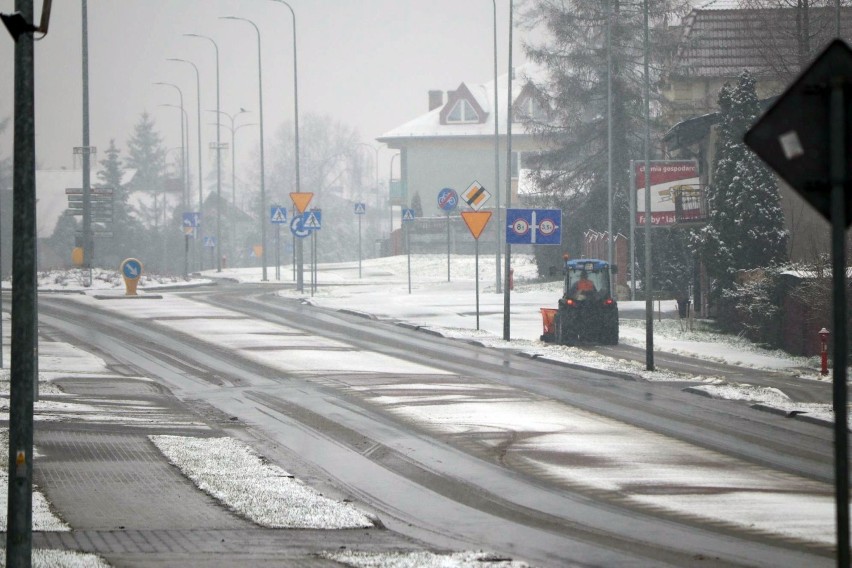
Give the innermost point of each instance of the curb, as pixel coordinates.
(143, 297)
(798, 415)
(356, 313)
(578, 367)
(698, 391)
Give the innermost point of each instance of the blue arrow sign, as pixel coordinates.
(297, 227)
(408, 215)
(278, 215)
(191, 219)
(534, 226)
(131, 268)
(360, 208)
(312, 220)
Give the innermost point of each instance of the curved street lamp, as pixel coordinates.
(184, 156)
(218, 161)
(200, 177)
(497, 288)
(262, 168)
(390, 200)
(375, 164)
(184, 163)
(232, 118)
(300, 282)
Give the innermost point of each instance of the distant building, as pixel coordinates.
(452, 144)
(717, 42)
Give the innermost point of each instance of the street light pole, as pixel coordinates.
(390, 202)
(200, 179)
(262, 168)
(300, 275)
(183, 162)
(507, 305)
(232, 118)
(499, 231)
(376, 165)
(218, 162)
(24, 365)
(184, 159)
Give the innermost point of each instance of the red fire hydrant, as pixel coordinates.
(823, 336)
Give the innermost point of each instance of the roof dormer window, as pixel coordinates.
(529, 108)
(462, 108)
(462, 112)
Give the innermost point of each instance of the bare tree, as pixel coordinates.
(788, 34)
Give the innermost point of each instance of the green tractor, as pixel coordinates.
(588, 310)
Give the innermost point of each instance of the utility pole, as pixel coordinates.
(88, 241)
(24, 309)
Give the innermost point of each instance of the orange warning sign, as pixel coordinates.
(301, 200)
(476, 221)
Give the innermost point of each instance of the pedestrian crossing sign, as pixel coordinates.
(408, 214)
(278, 214)
(360, 208)
(312, 220)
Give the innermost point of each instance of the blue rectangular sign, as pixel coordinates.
(312, 220)
(191, 219)
(534, 226)
(278, 215)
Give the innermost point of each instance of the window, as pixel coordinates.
(462, 112)
(529, 108)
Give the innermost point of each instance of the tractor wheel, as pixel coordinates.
(563, 331)
(610, 335)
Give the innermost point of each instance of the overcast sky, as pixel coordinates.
(368, 63)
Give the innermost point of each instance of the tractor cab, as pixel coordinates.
(586, 280)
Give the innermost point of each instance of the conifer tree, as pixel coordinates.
(573, 173)
(111, 175)
(746, 226)
(128, 235)
(417, 205)
(5, 162)
(147, 155)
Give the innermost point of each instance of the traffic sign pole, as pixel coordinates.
(448, 248)
(359, 247)
(278, 252)
(477, 282)
(838, 176)
(408, 251)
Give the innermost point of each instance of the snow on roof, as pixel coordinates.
(720, 5)
(429, 125)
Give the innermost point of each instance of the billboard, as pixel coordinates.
(675, 191)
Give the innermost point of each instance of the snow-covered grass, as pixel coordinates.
(48, 558)
(423, 560)
(235, 475)
(78, 280)
(674, 336)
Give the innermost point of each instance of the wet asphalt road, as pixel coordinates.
(442, 491)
